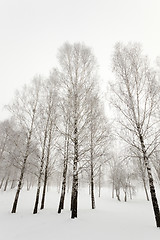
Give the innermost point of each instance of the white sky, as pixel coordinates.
(31, 31)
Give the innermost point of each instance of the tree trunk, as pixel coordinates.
(99, 182)
(130, 192)
(145, 189)
(6, 184)
(143, 175)
(24, 164)
(113, 189)
(41, 170)
(44, 191)
(125, 196)
(129, 188)
(68, 182)
(89, 188)
(118, 194)
(44, 187)
(28, 184)
(20, 182)
(74, 197)
(63, 190)
(2, 182)
(91, 167)
(151, 184)
(13, 184)
(92, 185)
(153, 196)
(46, 168)
(92, 193)
(37, 199)
(38, 187)
(61, 203)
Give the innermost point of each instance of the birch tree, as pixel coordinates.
(65, 160)
(99, 139)
(77, 75)
(50, 88)
(45, 122)
(24, 110)
(135, 97)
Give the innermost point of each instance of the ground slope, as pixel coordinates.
(111, 219)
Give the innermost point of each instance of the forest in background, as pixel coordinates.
(60, 134)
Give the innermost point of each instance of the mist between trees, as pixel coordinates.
(58, 133)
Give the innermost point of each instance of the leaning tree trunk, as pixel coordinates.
(40, 174)
(22, 172)
(19, 185)
(46, 169)
(143, 172)
(151, 183)
(118, 194)
(44, 186)
(13, 184)
(145, 189)
(6, 184)
(24, 164)
(63, 190)
(2, 182)
(153, 193)
(38, 187)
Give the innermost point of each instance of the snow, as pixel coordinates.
(112, 220)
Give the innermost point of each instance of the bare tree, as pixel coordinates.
(77, 75)
(45, 125)
(65, 167)
(99, 139)
(51, 108)
(141, 168)
(24, 110)
(135, 96)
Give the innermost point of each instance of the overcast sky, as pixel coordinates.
(31, 31)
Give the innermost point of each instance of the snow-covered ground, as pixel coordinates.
(111, 220)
